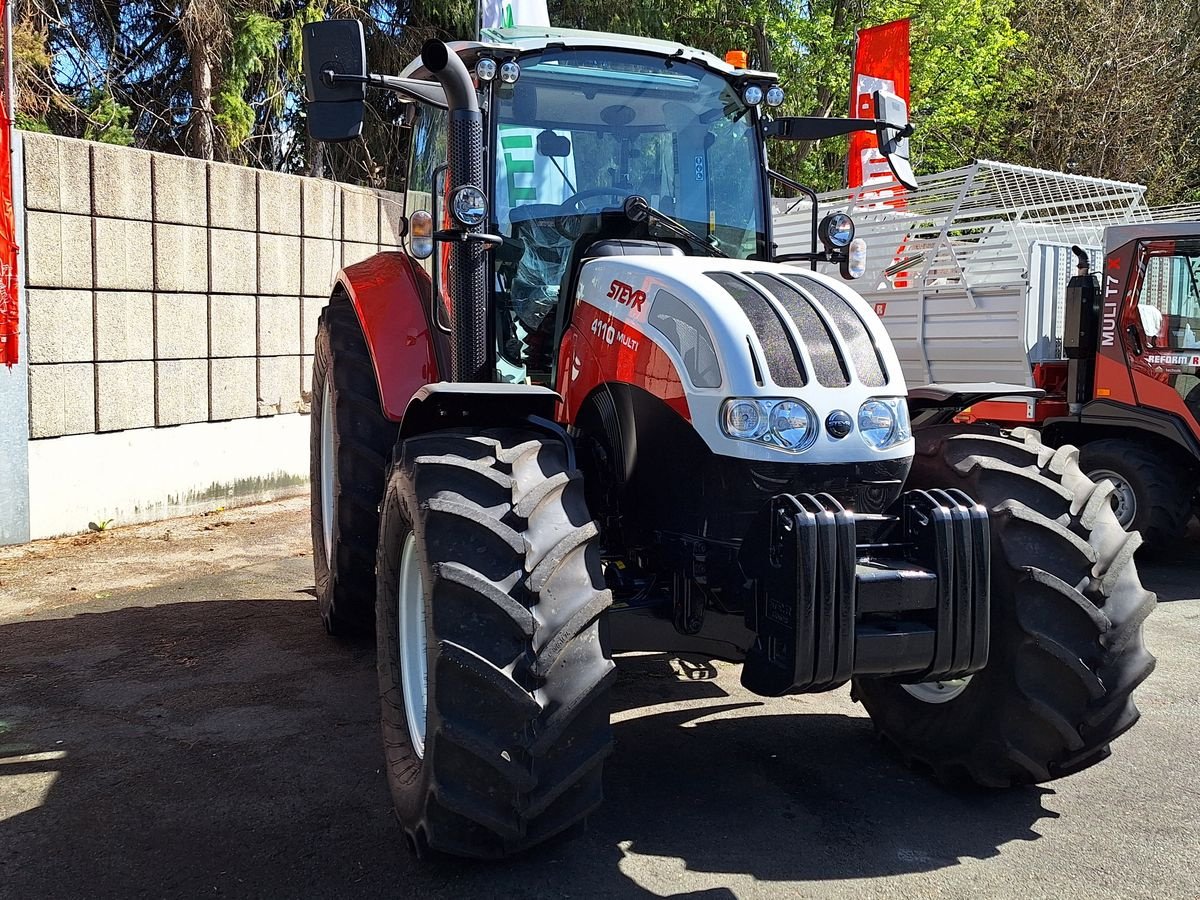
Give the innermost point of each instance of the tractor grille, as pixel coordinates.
(837, 340)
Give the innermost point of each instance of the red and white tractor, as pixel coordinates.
(589, 411)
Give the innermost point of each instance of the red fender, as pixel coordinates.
(390, 294)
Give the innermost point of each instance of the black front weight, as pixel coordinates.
(910, 600)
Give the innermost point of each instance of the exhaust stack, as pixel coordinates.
(468, 270)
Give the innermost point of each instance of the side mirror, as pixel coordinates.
(335, 109)
(892, 111)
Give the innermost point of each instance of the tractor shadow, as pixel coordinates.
(1174, 574)
(230, 748)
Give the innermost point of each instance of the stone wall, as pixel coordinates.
(170, 308)
(163, 290)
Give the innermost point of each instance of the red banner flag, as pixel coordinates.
(9, 326)
(880, 63)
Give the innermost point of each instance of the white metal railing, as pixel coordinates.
(970, 270)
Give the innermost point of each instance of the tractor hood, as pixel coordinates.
(762, 331)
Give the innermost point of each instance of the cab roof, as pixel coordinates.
(531, 38)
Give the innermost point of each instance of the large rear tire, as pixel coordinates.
(1151, 494)
(1067, 613)
(350, 440)
(492, 676)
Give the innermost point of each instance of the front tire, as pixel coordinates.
(350, 439)
(486, 546)
(1067, 613)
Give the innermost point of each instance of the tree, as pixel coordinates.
(1113, 92)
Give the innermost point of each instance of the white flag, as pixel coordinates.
(507, 13)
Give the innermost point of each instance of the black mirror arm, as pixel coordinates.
(422, 91)
(817, 128)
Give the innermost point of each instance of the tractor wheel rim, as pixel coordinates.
(1124, 500)
(327, 453)
(414, 664)
(938, 691)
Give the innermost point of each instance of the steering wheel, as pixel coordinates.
(572, 203)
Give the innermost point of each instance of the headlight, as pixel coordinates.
(468, 205)
(793, 425)
(510, 72)
(777, 422)
(485, 69)
(774, 95)
(883, 422)
(753, 95)
(836, 230)
(743, 419)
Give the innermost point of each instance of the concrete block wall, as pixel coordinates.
(169, 300)
(164, 290)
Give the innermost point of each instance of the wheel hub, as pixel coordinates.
(414, 663)
(938, 691)
(327, 469)
(1124, 500)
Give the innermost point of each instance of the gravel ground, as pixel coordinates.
(173, 722)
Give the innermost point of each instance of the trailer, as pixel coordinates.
(972, 277)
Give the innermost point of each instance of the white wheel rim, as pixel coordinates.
(1124, 500)
(327, 469)
(414, 666)
(938, 691)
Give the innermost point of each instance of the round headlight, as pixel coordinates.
(793, 425)
(468, 205)
(420, 234)
(836, 230)
(742, 419)
(774, 95)
(876, 423)
(753, 95)
(485, 69)
(510, 72)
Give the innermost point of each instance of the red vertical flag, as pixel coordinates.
(9, 327)
(880, 63)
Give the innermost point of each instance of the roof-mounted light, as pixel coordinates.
(510, 72)
(485, 69)
(775, 95)
(752, 94)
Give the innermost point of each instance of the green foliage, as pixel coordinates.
(1056, 83)
(108, 120)
(26, 122)
(254, 48)
(966, 65)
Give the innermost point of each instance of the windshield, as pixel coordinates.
(581, 130)
(1169, 294)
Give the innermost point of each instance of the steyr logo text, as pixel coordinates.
(625, 295)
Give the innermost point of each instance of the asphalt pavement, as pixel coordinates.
(200, 735)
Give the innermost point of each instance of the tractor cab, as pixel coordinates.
(575, 125)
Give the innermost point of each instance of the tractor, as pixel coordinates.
(590, 410)
(975, 271)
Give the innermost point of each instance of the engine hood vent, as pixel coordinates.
(802, 324)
